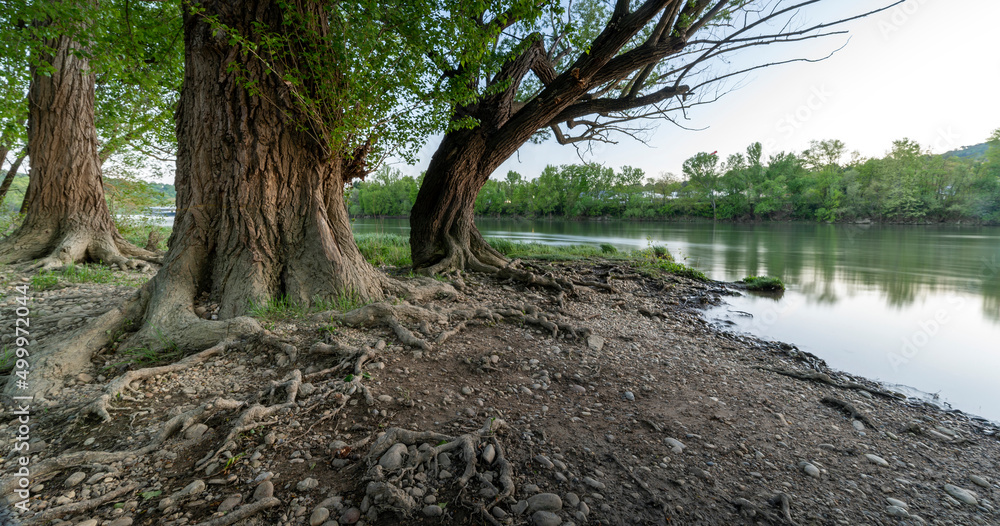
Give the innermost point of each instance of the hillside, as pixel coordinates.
(975, 151)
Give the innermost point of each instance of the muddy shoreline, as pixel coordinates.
(611, 401)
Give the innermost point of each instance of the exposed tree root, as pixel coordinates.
(253, 415)
(824, 378)
(49, 251)
(785, 502)
(385, 488)
(243, 512)
(72, 354)
(529, 278)
(476, 255)
(531, 315)
(117, 388)
(847, 408)
(79, 458)
(78, 507)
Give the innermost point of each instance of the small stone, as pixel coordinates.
(307, 389)
(121, 521)
(630, 396)
(520, 507)
(489, 453)
(897, 511)
(319, 516)
(467, 391)
(877, 460)
(596, 484)
(572, 499)
(193, 488)
(89, 522)
(960, 494)
(75, 479)
(810, 469)
(265, 490)
(433, 510)
(393, 458)
(85, 378)
(858, 425)
(499, 513)
(90, 441)
(230, 503)
(195, 431)
(896, 502)
(675, 445)
(544, 461)
(578, 389)
(307, 484)
(385, 398)
(979, 481)
(544, 502)
(350, 516)
(595, 342)
(545, 518)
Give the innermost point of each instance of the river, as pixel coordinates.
(916, 307)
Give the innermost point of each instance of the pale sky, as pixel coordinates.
(927, 70)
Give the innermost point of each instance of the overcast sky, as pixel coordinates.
(927, 70)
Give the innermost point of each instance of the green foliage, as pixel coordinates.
(384, 249)
(764, 283)
(906, 185)
(608, 248)
(44, 281)
(283, 308)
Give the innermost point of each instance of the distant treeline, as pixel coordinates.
(820, 184)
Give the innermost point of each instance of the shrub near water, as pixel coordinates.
(764, 283)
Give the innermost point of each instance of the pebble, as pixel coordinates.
(578, 389)
(544, 461)
(121, 521)
(897, 511)
(877, 460)
(393, 458)
(319, 516)
(572, 499)
(433, 510)
(489, 453)
(595, 342)
(350, 516)
(960, 494)
(385, 398)
(90, 522)
(630, 396)
(193, 488)
(307, 484)
(195, 431)
(675, 445)
(545, 518)
(520, 507)
(810, 469)
(544, 502)
(75, 479)
(858, 425)
(307, 389)
(896, 502)
(979, 481)
(265, 490)
(231, 502)
(596, 484)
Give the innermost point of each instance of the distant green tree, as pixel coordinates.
(702, 173)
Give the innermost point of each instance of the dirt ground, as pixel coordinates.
(598, 395)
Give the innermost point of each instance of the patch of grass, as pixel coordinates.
(515, 249)
(44, 281)
(764, 283)
(7, 359)
(279, 309)
(608, 248)
(137, 233)
(385, 249)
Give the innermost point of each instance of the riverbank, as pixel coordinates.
(608, 401)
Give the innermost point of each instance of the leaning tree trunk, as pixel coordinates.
(67, 217)
(443, 233)
(11, 173)
(260, 208)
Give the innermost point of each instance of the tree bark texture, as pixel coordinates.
(67, 216)
(11, 173)
(260, 210)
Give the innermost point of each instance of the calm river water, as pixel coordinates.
(917, 307)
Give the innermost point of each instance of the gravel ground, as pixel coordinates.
(633, 410)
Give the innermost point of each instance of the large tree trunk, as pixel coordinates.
(68, 219)
(260, 209)
(11, 173)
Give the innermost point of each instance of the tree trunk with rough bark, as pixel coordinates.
(11, 173)
(260, 209)
(67, 216)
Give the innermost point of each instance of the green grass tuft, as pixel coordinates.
(384, 249)
(764, 283)
(280, 309)
(608, 248)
